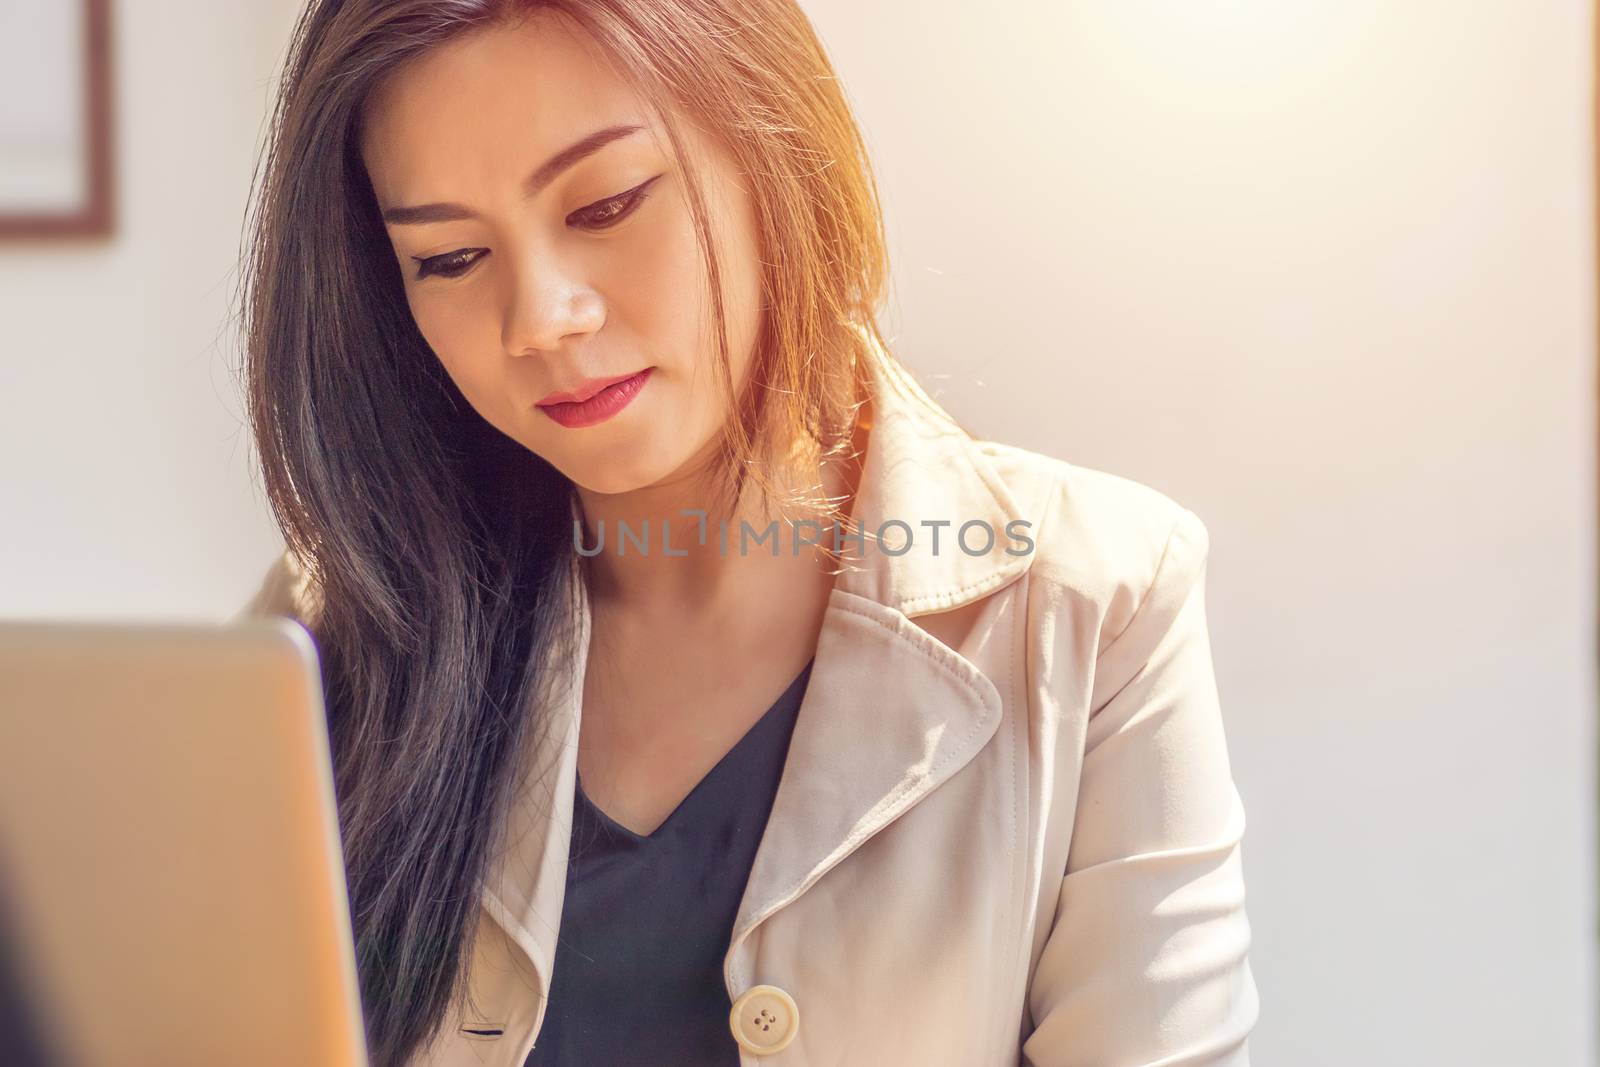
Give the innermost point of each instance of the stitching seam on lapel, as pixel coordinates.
(1020, 854)
(888, 803)
(938, 600)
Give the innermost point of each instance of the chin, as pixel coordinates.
(611, 483)
(641, 456)
(622, 476)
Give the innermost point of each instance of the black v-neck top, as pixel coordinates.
(647, 919)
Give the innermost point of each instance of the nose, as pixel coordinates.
(550, 309)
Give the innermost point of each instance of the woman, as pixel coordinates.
(700, 691)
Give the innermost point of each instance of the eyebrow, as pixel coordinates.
(552, 168)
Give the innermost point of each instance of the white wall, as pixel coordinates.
(1320, 270)
(126, 471)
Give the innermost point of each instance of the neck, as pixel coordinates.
(689, 563)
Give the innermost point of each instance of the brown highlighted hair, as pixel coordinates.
(439, 549)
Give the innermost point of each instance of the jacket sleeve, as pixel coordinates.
(286, 589)
(1146, 963)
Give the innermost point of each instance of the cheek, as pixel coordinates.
(737, 233)
(655, 288)
(463, 334)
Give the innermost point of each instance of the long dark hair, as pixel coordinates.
(440, 549)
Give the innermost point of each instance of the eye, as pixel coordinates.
(601, 215)
(449, 264)
(607, 213)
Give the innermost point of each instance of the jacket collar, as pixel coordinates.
(889, 713)
(921, 465)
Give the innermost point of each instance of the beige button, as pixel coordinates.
(764, 1020)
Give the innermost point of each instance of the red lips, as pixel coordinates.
(595, 400)
(585, 390)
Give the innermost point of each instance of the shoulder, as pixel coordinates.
(1099, 533)
(286, 588)
(1120, 556)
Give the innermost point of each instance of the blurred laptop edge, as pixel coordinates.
(171, 879)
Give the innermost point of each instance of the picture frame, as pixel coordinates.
(56, 173)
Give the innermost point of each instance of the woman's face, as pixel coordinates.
(543, 231)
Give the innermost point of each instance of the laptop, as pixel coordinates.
(172, 885)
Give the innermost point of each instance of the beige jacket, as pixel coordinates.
(1007, 832)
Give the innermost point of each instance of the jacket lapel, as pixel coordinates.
(888, 715)
(527, 885)
(890, 712)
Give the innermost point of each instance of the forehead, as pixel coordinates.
(510, 95)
